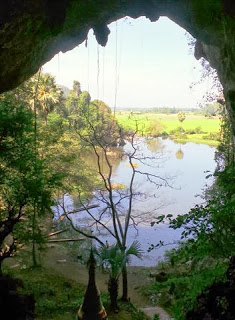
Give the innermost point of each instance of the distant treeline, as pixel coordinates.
(165, 110)
(210, 109)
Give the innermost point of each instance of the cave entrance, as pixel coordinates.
(144, 64)
(31, 36)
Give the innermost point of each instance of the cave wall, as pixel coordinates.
(33, 31)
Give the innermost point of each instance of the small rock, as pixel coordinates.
(15, 266)
(61, 261)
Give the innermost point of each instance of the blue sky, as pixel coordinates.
(144, 64)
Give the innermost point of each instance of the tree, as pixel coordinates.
(26, 185)
(208, 229)
(72, 101)
(77, 88)
(211, 109)
(46, 94)
(77, 103)
(112, 260)
(181, 116)
(32, 153)
(116, 200)
(225, 154)
(155, 128)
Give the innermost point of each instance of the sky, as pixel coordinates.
(144, 65)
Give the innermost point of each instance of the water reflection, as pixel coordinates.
(161, 159)
(179, 154)
(115, 155)
(155, 145)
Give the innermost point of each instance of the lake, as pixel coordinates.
(184, 166)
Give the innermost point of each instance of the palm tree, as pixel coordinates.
(113, 260)
(181, 116)
(48, 94)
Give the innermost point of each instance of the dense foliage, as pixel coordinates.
(207, 239)
(26, 182)
(42, 155)
(45, 136)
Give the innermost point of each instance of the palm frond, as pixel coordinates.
(135, 250)
(112, 258)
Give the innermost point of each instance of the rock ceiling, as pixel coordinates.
(33, 31)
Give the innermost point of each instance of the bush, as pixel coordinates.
(164, 135)
(212, 136)
(179, 293)
(178, 130)
(54, 295)
(155, 128)
(196, 130)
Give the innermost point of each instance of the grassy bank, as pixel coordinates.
(56, 297)
(58, 288)
(196, 128)
(176, 291)
(196, 138)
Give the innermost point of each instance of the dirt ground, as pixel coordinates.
(57, 259)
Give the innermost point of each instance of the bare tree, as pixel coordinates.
(116, 213)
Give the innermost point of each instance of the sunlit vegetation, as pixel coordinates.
(54, 145)
(45, 140)
(177, 293)
(196, 127)
(207, 243)
(58, 297)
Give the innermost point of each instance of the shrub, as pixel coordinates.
(155, 128)
(178, 130)
(212, 136)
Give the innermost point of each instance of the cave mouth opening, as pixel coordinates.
(144, 64)
(32, 35)
(147, 62)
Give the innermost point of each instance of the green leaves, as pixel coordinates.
(26, 182)
(135, 250)
(113, 259)
(181, 116)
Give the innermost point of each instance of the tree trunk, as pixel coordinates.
(113, 293)
(124, 284)
(34, 255)
(1, 266)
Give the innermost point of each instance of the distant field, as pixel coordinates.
(170, 122)
(197, 128)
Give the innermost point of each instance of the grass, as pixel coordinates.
(178, 293)
(197, 138)
(58, 297)
(168, 123)
(127, 312)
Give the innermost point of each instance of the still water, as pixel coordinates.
(183, 166)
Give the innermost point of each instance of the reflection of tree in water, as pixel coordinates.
(114, 154)
(179, 154)
(154, 145)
